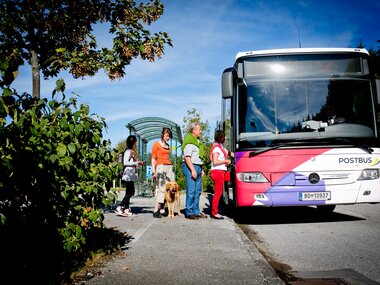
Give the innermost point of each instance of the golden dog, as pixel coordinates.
(171, 197)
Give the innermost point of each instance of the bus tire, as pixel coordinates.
(228, 208)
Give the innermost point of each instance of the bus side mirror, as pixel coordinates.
(227, 83)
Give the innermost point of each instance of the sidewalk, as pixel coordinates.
(180, 251)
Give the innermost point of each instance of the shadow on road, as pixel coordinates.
(288, 215)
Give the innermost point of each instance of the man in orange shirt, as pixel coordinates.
(162, 169)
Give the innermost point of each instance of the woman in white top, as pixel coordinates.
(130, 162)
(219, 162)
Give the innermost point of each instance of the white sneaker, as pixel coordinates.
(128, 213)
(119, 211)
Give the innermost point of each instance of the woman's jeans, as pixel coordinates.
(193, 189)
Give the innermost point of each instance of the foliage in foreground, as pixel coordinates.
(55, 173)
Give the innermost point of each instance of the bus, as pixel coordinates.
(304, 127)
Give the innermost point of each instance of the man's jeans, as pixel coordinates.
(193, 189)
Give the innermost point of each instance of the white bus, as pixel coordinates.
(303, 124)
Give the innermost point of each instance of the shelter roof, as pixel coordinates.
(150, 128)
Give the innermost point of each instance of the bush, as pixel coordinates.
(55, 177)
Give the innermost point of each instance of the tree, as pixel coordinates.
(58, 35)
(121, 146)
(194, 115)
(56, 170)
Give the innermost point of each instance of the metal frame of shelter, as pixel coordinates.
(150, 128)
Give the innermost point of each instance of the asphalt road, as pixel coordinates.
(344, 245)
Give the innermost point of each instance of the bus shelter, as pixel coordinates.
(149, 128)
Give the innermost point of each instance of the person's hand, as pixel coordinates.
(141, 163)
(194, 174)
(228, 162)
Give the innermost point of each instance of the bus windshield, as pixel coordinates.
(277, 110)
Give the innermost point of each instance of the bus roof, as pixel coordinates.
(298, 51)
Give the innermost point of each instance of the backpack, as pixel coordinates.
(120, 159)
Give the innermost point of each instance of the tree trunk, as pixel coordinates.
(35, 74)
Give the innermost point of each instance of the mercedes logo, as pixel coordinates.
(314, 178)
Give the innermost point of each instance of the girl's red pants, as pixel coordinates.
(218, 177)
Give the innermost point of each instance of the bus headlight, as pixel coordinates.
(252, 177)
(369, 174)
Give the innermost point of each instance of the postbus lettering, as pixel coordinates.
(353, 160)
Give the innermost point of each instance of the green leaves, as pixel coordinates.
(61, 150)
(55, 167)
(7, 92)
(71, 148)
(39, 29)
(73, 237)
(55, 164)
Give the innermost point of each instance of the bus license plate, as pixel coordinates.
(311, 196)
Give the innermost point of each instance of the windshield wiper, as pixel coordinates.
(279, 145)
(365, 148)
(254, 153)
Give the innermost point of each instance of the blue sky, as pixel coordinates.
(206, 36)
